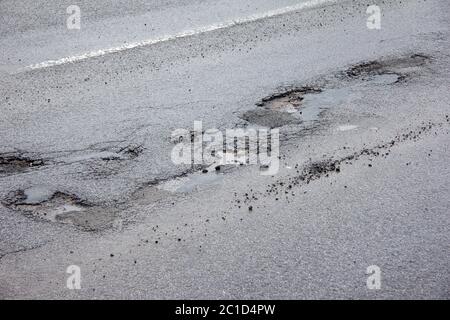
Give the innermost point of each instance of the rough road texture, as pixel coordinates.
(364, 177)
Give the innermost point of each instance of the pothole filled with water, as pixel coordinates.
(46, 203)
(280, 109)
(304, 105)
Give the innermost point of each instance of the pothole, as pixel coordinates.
(288, 101)
(14, 163)
(314, 105)
(280, 109)
(385, 79)
(305, 104)
(269, 118)
(391, 69)
(46, 203)
(300, 106)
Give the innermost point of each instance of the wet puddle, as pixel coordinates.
(305, 109)
(314, 104)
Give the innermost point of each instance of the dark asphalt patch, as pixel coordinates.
(15, 163)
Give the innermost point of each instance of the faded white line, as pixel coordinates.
(183, 34)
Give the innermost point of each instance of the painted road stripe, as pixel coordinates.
(183, 34)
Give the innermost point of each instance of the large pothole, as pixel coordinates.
(393, 67)
(305, 105)
(52, 205)
(280, 109)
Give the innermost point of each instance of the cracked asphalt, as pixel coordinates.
(86, 176)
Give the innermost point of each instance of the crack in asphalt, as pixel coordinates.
(4, 254)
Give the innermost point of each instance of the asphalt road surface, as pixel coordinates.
(87, 122)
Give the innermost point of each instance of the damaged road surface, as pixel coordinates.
(11, 163)
(87, 176)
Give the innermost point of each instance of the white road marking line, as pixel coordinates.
(183, 34)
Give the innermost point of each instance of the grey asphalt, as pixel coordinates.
(99, 132)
